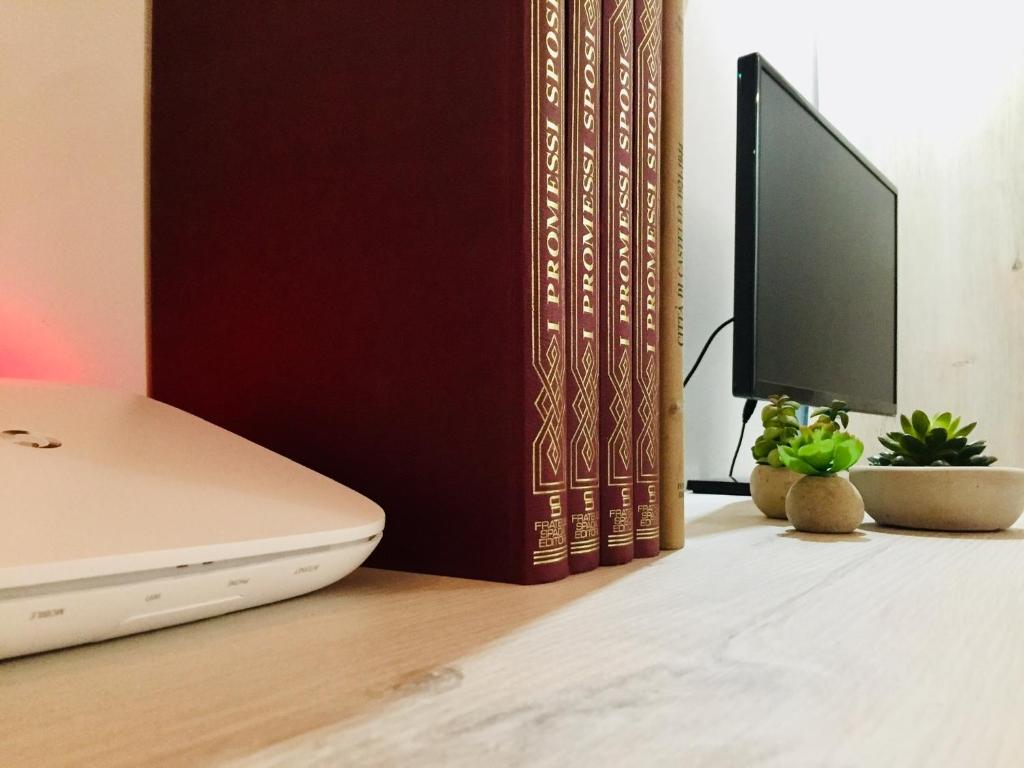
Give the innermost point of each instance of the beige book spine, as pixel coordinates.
(671, 299)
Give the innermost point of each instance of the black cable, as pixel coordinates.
(748, 411)
(748, 407)
(704, 350)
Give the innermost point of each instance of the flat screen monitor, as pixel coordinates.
(815, 284)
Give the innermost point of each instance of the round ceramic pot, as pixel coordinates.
(942, 498)
(768, 488)
(824, 505)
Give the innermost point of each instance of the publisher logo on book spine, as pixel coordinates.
(28, 439)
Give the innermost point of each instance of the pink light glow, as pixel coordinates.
(32, 346)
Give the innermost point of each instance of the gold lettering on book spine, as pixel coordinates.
(583, 226)
(645, 460)
(547, 314)
(617, 303)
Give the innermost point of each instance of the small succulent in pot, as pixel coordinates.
(833, 417)
(780, 426)
(939, 441)
(770, 481)
(821, 452)
(821, 501)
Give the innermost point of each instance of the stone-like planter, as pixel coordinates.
(942, 498)
(824, 505)
(768, 488)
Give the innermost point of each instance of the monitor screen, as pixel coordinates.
(815, 301)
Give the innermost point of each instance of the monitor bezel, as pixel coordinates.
(746, 382)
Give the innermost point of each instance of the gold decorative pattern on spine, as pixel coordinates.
(584, 442)
(648, 205)
(647, 436)
(546, 267)
(546, 184)
(550, 405)
(620, 408)
(547, 556)
(617, 209)
(582, 229)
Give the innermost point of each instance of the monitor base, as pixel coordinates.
(725, 486)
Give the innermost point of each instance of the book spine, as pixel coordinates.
(615, 271)
(671, 258)
(646, 218)
(546, 545)
(583, 32)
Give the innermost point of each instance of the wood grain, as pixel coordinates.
(755, 645)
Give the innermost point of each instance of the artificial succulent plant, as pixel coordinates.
(936, 442)
(780, 426)
(833, 417)
(821, 452)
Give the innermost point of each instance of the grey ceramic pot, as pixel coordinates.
(942, 498)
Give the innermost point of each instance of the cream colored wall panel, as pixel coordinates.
(937, 101)
(72, 191)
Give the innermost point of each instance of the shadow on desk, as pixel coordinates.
(228, 686)
(1010, 534)
(744, 514)
(856, 537)
(739, 514)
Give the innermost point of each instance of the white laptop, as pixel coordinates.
(120, 514)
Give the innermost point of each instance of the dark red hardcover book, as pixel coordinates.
(646, 278)
(616, 380)
(583, 162)
(357, 214)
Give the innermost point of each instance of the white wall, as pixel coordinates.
(717, 33)
(938, 103)
(935, 98)
(72, 191)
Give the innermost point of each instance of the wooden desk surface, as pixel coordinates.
(754, 645)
